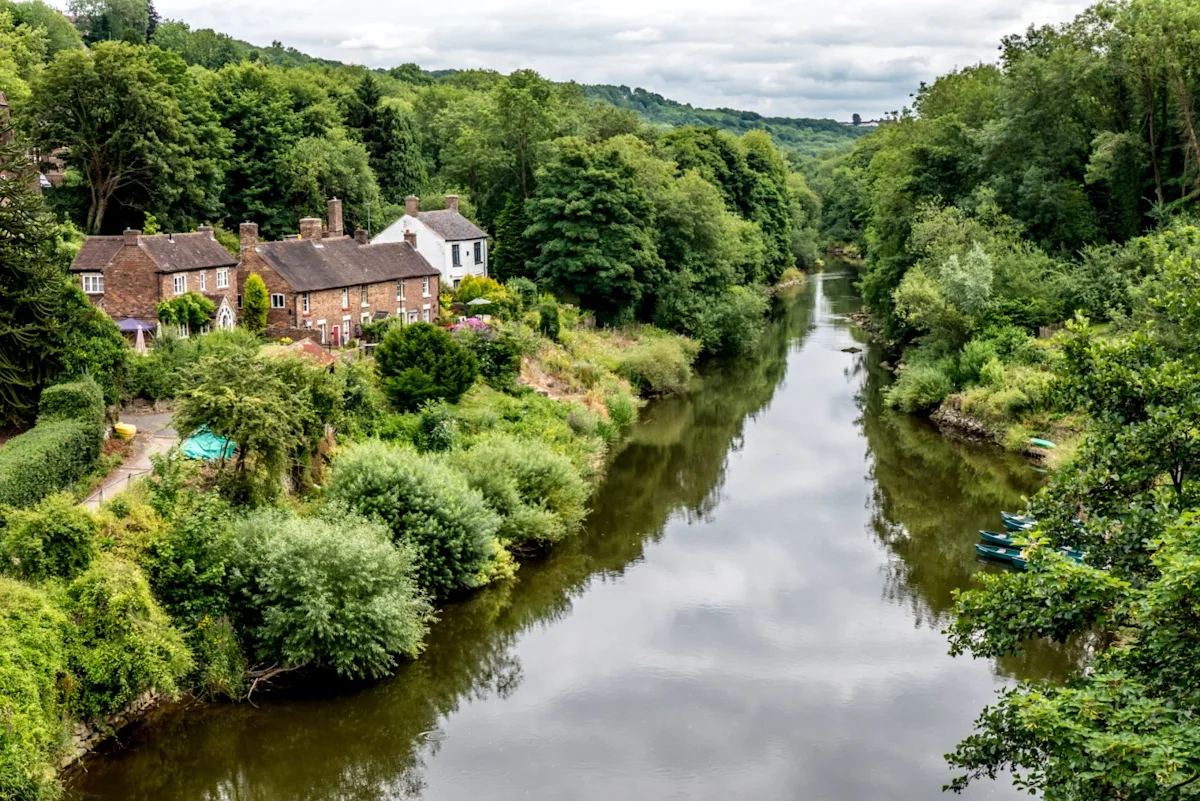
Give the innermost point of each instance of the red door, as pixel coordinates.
(336, 340)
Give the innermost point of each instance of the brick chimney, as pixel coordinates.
(360, 236)
(412, 205)
(205, 229)
(310, 228)
(335, 217)
(411, 238)
(248, 234)
(131, 236)
(451, 202)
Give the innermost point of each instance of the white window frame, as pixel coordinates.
(414, 316)
(305, 304)
(363, 296)
(203, 281)
(364, 318)
(345, 297)
(400, 289)
(425, 313)
(425, 287)
(324, 330)
(179, 283)
(282, 304)
(455, 255)
(222, 279)
(93, 283)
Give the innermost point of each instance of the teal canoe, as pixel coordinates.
(1043, 443)
(1012, 556)
(1007, 540)
(1014, 522)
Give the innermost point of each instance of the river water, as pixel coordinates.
(754, 611)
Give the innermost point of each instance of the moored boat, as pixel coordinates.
(1006, 539)
(1012, 556)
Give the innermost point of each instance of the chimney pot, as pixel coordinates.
(310, 228)
(131, 236)
(452, 202)
(360, 236)
(336, 227)
(411, 238)
(205, 229)
(248, 234)
(412, 205)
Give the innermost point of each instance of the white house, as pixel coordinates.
(449, 241)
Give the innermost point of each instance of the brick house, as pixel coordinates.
(448, 240)
(128, 275)
(332, 283)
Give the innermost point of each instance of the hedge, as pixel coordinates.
(74, 400)
(47, 458)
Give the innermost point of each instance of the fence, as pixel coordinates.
(107, 491)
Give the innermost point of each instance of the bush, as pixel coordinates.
(548, 323)
(32, 658)
(974, 357)
(92, 346)
(497, 352)
(435, 428)
(539, 493)
(55, 539)
(920, 387)
(658, 365)
(124, 643)
(46, 459)
(75, 400)
(621, 409)
(255, 303)
(334, 593)
(187, 560)
(425, 503)
(421, 362)
(524, 292)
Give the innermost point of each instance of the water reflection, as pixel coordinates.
(753, 611)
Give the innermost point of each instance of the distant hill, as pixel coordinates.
(802, 136)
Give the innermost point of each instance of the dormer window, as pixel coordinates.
(93, 283)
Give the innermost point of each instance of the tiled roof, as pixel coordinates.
(97, 251)
(450, 225)
(309, 266)
(171, 253)
(181, 252)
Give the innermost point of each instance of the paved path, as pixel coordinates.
(154, 435)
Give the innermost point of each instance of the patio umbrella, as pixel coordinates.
(139, 346)
(479, 302)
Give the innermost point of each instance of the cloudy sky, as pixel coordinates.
(820, 58)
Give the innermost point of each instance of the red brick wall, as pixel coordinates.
(130, 286)
(251, 262)
(327, 305)
(167, 285)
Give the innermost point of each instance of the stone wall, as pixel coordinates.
(86, 736)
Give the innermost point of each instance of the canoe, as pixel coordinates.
(1012, 556)
(1042, 443)
(1014, 522)
(1006, 540)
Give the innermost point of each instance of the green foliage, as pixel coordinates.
(91, 345)
(497, 352)
(622, 410)
(659, 365)
(921, 386)
(190, 310)
(75, 400)
(511, 256)
(524, 291)
(255, 304)
(328, 592)
(123, 643)
(421, 362)
(435, 428)
(32, 658)
(45, 459)
(539, 494)
(54, 539)
(548, 319)
(164, 371)
(426, 505)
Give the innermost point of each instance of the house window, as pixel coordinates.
(457, 281)
(180, 283)
(425, 314)
(363, 294)
(93, 283)
(412, 316)
(400, 290)
(239, 301)
(425, 285)
(203, 282)
(364, 318)
(277, 301)
(345, 297)
(479, 253)
(455, 255)
(304, 303)
(222, 279)
(321, 328)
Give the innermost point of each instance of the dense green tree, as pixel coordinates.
(592, 226)
(421, 362)
(60, 33)
(255, 303)
(390, 139)
(511, 254)
(113, 20)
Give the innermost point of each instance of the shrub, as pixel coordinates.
(90, 345)
(621, 409)
(524, 292)
(187, 560)
(32, 658)
(920, 387)
(734, 321)
(548, 324)
(55, 538)
(45, 459)
(75, 400)
(421, 362)
(124, 643)
(330, 592)
(425, 503)
(540, 494)
(255, 303)
(435, 428)
(497, 353)
(975, 355)
(220, 664)
(658, 365)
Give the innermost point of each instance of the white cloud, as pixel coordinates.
(818, 58)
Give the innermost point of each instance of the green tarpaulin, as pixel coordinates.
(207, 446)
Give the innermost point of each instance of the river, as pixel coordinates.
(754, 611)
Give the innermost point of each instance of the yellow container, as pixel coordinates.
(125, 430)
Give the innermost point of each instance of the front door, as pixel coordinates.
(335, 338)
